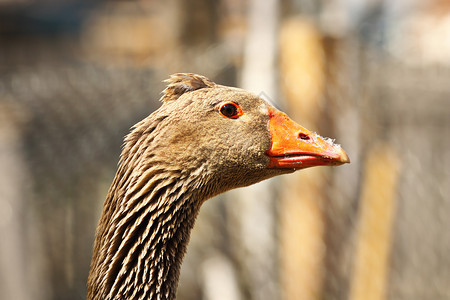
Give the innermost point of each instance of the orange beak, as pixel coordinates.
(295, 147)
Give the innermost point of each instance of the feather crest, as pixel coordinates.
(181, 83)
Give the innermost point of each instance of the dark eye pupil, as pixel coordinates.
(229, 110)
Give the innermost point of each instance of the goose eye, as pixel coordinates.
(231, 110)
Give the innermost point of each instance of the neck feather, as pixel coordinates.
(144, 229)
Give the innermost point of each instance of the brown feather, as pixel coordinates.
(181, 83)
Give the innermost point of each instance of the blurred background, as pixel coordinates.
(76, 75)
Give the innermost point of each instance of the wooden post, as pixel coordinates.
(14, 267)
(302, 64)
(373, 242)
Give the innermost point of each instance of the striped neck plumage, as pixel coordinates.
(144, 231)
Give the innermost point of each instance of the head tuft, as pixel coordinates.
(181, 83)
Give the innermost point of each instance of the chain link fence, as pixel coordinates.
(374, 229)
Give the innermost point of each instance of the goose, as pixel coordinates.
(205, 139)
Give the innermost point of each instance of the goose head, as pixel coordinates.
(232, 136)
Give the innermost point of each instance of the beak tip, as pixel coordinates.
(343, 157)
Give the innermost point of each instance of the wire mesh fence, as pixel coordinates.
(375, 229)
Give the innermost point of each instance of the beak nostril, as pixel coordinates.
(303, 136)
